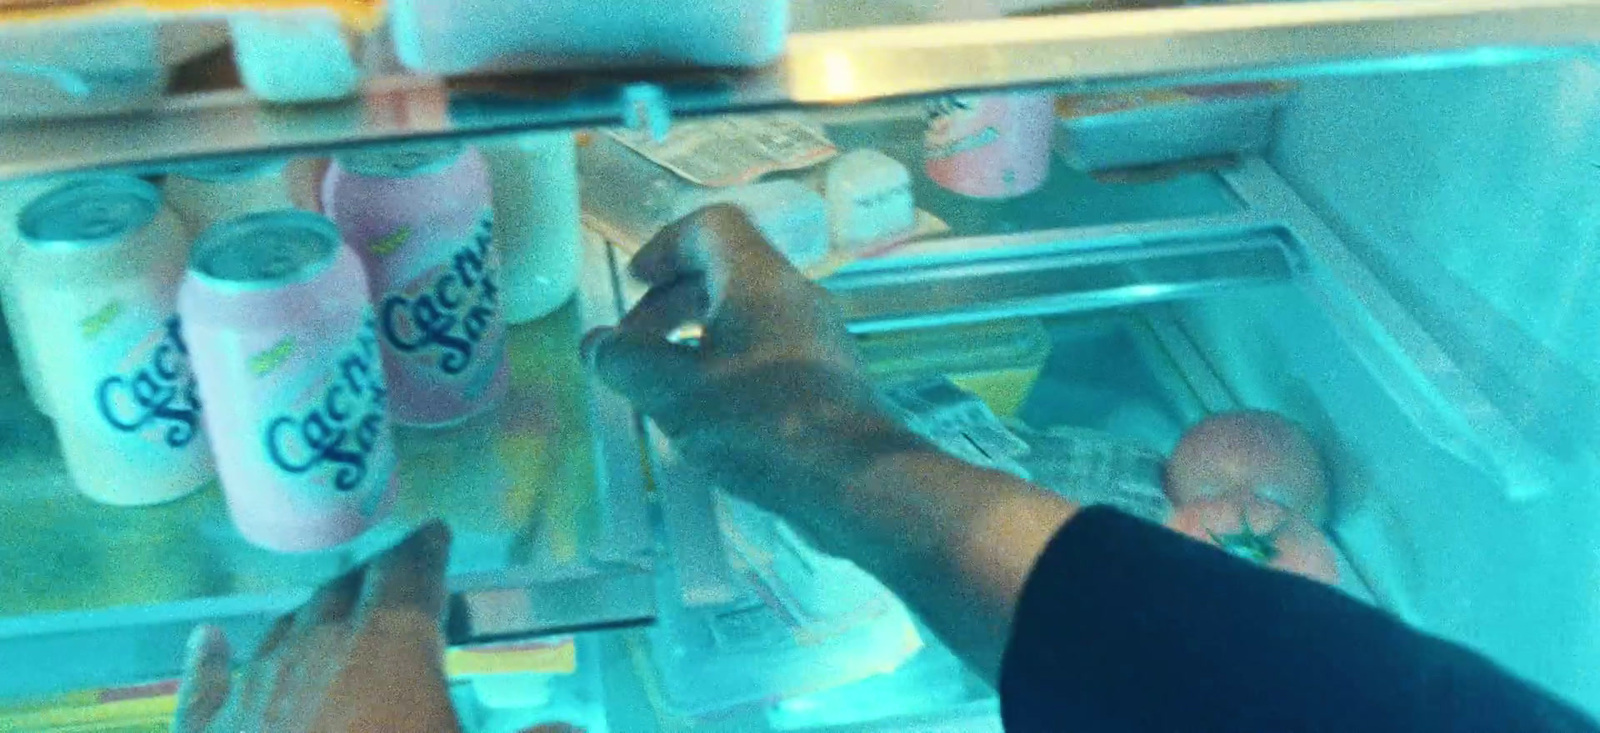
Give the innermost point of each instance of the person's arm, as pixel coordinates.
(1119, 625)
(1125, 626)
(773, 403)
(954, 541)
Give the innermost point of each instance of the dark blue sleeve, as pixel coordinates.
(1127, 627)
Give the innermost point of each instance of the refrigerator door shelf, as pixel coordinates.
(545, 495)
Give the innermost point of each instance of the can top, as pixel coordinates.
(265, 251)
(89, 212)
(228, 171)
(415, 159)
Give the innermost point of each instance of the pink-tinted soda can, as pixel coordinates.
(285, 347)
(420, 219)
(991, 146)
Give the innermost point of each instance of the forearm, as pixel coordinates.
(955, 541)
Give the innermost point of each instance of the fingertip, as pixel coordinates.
(204, 688)
(434, 536)
(427, 546)
(412, 573)
(205, 642)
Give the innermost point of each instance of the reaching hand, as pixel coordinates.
(772, 401)
(774, 405)
(365, 654)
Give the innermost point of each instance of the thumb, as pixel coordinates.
(205, 681)
(650, 371)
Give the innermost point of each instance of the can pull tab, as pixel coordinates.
(644, 109)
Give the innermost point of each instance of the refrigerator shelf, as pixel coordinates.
(831, 61)
(545, 494)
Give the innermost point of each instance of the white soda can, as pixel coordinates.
(96, 277)
(536, 228)
(204, 195)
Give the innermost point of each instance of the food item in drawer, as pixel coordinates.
(997, 362)
(1102, 132)
(1093, 467)
(536, 221)
(96, 278)
(420, 219)
(1257, 454)
(958, 422)
(869, 200)
(800, 622)
(209, 194)
(993, 146)
(285, 349)
(1261, 532)
(453, 36)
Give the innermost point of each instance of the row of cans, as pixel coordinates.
(274, 350)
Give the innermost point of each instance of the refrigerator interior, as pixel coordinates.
(1403, 273)
(1471, 195)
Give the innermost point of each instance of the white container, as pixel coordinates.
(536, 222)
(869, 199)
(206, 195)
(454, 36)
(63, 68)
(299, 56)
(97, 276)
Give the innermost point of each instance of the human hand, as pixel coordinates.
(364, 654)
(772, 402)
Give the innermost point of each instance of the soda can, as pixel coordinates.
(420, 220)
(96, 280)
(285, 348)
(205, 194)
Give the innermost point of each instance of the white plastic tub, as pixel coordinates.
(455, 36)
(300, 56)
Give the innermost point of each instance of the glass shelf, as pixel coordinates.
(544, 494)
(839, 54)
